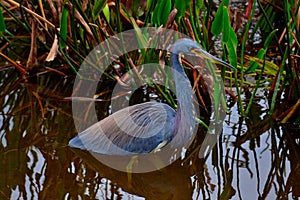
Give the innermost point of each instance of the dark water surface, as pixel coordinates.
(254, 158)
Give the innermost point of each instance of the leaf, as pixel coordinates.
(2, 22)
(165, 11)
(229, 38)
(225, 3)
(216, 100)
(226, 25)
(53, 51)
(232, 57)
(63, 28)
(155, 17)
(180, 5)
(254, 64)
(231, 46)
(142, 41)
(270, 67)
(161, 12)
(217, 25)
(106, 12)
(98, 7)
(199, 4)
(233, 37)
(149, 3)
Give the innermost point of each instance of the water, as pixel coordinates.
(255, 158)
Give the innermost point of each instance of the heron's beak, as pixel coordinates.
(203, 54)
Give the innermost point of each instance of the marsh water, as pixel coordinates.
(255, 158)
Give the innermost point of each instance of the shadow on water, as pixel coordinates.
(254, 159)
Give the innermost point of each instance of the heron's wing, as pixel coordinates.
(135, 129)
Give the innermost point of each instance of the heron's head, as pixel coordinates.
(190, 47)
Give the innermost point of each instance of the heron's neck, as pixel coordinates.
(183, 91)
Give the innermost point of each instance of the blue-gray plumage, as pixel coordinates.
(145, 127)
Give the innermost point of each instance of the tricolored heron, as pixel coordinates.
(146, 127)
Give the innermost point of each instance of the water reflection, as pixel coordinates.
(255, 158)
(172, 182)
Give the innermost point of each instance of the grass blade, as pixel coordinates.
(2, 23)
(63, 28)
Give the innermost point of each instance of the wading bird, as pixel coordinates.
(147, 127)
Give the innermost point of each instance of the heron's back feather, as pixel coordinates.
(132, 130)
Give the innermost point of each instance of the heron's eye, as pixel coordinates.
(193, 50)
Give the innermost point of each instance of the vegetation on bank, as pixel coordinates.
(261, 41)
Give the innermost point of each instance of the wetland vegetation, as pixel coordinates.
(43, 44)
